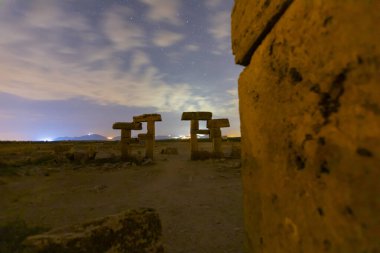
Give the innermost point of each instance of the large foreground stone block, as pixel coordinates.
(310, 123)
(252, 20)
(137, 231)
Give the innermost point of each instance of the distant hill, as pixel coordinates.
(88, 137)
(158, 137)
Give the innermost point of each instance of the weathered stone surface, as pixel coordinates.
(125, 139)
(218, 123)
(147, 117)
(196, 115)
(310, 116)
(251, 22)
(149, 137)
(127, 125)
(132, 231)
(194, 118)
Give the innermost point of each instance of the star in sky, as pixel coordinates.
(72, 67)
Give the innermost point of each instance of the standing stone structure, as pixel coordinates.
(214, 125)
(126, 128)
(309, 101)
(195, 117)
(149, 137)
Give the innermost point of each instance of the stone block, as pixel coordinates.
(218, 123)
(147, 117)
(196, 115)
(251, 22)
(127, 125)
(310, 115)
(132, 231)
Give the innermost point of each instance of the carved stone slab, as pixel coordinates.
(147, 117)
(196, 115)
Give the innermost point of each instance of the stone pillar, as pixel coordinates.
(126, 128)
(214, 126)
(309, 101)
(149, 137)
(194, 117)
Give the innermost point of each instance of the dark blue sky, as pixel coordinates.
(70, 67)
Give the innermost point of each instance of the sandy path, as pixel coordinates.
(199, 202)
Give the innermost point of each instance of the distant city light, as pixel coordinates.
(182, 137)
(46, 139)
(109, 138)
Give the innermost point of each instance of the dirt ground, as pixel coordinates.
(199, 202)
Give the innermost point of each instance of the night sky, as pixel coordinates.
(70, 67)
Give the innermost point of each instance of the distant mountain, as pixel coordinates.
(88, 137)
(158, 137)
(117, 138)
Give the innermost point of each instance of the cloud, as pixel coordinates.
(164, 38)
(163, 11)
(124, 35)
(47, 14)
(213, 3)
(220, 31)
(104, 62)
(192, 48)
(139, 60)
(232, 92)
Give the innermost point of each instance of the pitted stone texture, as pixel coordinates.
(310, 117)
(252, 20)
(132, 231)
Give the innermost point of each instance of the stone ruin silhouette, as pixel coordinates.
(213, 131)
(126, 135)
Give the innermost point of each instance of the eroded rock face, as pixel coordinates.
(310, 124)
(132, 231)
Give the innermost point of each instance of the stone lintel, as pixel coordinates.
(147, 117)
(218, 123)
(127, 125)
(202, 131)
(251, 22)
(196, 115)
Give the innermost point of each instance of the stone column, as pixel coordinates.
(126, 128)
(309, 101)
(214, 126)
(149, 137)
(194, 117)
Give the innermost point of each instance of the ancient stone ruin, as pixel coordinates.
(149, 137)
(131, 231)
(126, 139)
(213, 125)
(194, 118)
(309, 100)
